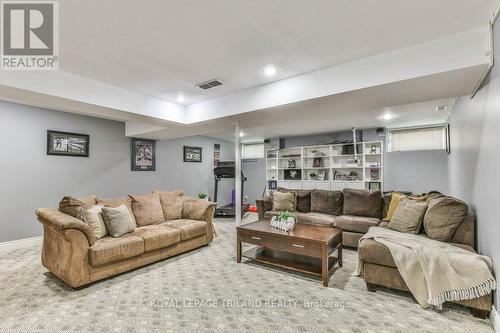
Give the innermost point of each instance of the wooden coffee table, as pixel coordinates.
(307, 248)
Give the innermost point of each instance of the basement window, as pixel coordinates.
(417, 139)
(253, 150)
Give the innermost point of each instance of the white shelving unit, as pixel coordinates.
(326, 167)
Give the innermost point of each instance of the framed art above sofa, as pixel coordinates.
(67, 144)
(143, 155)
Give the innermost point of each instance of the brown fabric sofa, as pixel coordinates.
(379, 268)
(361, 210)
(352, 210)
(71, 252)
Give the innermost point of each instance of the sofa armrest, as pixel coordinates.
(59, 222)
(196, 209)
(263, 205)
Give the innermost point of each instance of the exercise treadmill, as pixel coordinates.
(227, 170)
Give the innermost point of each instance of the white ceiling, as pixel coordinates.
(163, 48)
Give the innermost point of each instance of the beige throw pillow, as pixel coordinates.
(408, 216)
(118, 220)
(93, 217)
(113, 203)
(171, 204)
(284, 200)
(147, 209)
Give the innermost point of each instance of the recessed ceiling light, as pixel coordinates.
(180, 99)
(242, 134)
(270, 70)
(387, 116)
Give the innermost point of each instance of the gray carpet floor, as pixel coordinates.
(206, 290)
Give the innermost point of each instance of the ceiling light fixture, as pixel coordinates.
(180, 99)
(270, 70)
(242, 134)
(387, 116)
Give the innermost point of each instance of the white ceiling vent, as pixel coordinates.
(441, 108)
(209, 84)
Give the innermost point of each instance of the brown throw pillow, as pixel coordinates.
(407, 216)
(171, 204)
(70, 205)
(284, 201)
(363, 203)
(328, 202)
(443, 217)
(114, 203)
(303, 199)
(147, 209)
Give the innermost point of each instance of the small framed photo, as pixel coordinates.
(143, 155)
(374, 186)
(272, 185)
(67, 144)
(192, 154)
(321, 174)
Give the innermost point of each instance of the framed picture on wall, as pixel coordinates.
(374, 186)
(67, 144)
(143, 155)
(192, 154)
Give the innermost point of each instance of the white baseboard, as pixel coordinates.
(21, 243)
(495, 319)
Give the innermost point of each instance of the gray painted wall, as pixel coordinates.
(31, 179)
(475, 156)
(416, 171)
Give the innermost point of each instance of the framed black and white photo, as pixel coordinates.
(192, 154)
(374, 186)
(321, 174)
(67, 144)
(143, 155)
(272, 185)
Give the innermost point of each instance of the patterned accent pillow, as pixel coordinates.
(284, 201)
(70, 205)
(93, 217)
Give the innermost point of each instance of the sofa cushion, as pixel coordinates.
(284, 201)
(195, 209)
(113, 203)
(109, 249)
(393, 204)
(118, 220)
(188, 228)
(408, 216)
(371, 251)
(314, 218)
(158, 236)
(147, 209)
(171, 204)
(70, 205)
(355, 223)
(327, 202)
(443, 216)
(363, 203)
(303, 199)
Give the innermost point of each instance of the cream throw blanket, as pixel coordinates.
(435, 272)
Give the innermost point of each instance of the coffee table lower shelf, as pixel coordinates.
(292, 261)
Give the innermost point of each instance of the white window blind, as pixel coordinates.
(430, 138)
(254, 150)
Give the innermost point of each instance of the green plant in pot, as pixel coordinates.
(312, 175)
(203, 195)
(284, 215)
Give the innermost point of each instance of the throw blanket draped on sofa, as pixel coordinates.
(435, 272)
